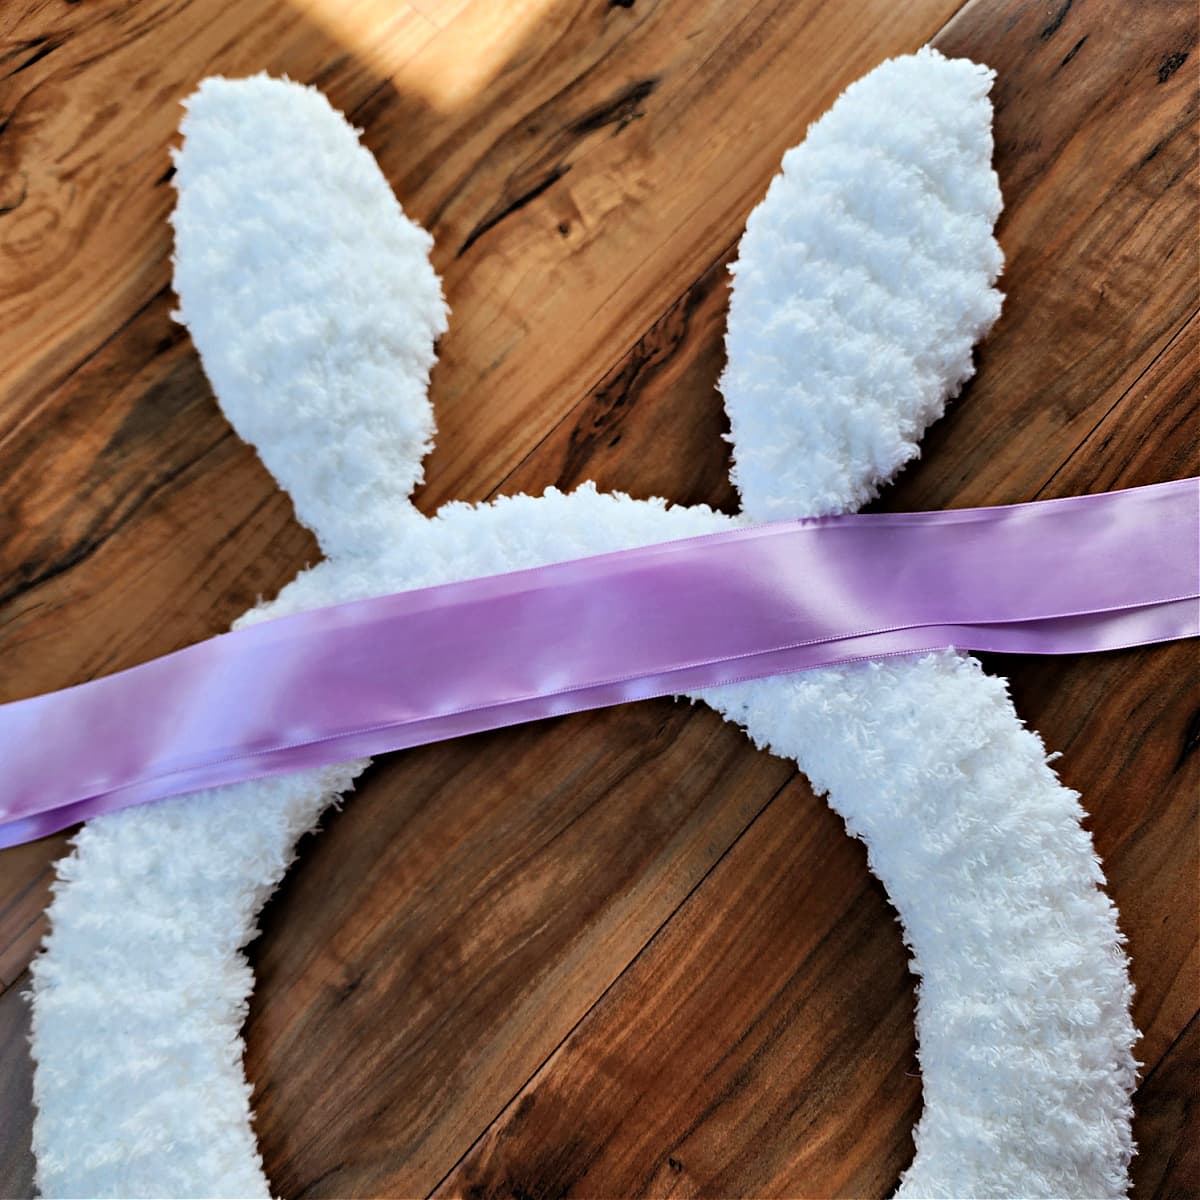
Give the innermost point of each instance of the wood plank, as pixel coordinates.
(1125, 725)
(662, 394)
(1148, 435)
(89, 103)
(16, 1095)
(27, 875)
(150, 452)
(1167, 1124)
(773, 1054)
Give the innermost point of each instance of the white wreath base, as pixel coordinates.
(864, 279)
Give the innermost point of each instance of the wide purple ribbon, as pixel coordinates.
(1051, 577)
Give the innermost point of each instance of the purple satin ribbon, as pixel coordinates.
(352, 680)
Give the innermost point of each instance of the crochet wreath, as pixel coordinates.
(863, 281)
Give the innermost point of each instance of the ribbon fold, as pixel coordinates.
(348, 681)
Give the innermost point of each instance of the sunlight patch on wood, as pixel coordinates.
(446, 51)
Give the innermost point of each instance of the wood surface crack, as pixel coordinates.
(1191, 741)
(499, 212)
(620, 111)
(1171, 64)
(41, 47)
(1074, 50)
(1056, 21)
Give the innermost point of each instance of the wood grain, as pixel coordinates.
(773, 1054)
(1168, 1167)
(16, 1094)
(662, 394)
(620, 950)
(1148, 434)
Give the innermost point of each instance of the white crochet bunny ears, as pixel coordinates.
(863, 281)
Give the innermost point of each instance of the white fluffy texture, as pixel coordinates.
(141, 992)
(316, 331)
(1023, 1007)
(861, 285)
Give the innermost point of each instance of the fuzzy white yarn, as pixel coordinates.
(863, 280)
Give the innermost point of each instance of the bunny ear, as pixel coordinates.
(862, 282)
(311, 299)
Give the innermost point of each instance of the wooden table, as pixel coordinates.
(621, 953)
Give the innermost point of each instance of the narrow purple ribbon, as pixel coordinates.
(352, 680)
